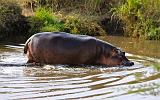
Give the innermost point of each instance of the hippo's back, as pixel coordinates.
(63, 48)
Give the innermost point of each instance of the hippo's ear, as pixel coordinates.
(115, 51)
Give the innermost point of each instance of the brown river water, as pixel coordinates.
(19, 81)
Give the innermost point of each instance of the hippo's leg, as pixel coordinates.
(30, 57)
(30, 61)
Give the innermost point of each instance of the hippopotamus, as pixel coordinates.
(71, 49)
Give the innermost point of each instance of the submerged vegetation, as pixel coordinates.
(134, 18)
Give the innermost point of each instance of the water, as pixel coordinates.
(141, 81)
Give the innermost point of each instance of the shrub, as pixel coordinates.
(35, 25)
(44, 20)
(76, 25)
(89, 7)
(12, 23)
(46, 16)
(53, 28)
(140, 18)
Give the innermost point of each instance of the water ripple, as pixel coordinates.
(140, 81)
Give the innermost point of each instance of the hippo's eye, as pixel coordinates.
(117, 57)
(120, 56)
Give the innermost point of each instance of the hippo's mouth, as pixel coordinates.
(127, 63)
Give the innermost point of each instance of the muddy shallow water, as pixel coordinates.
(141, 81)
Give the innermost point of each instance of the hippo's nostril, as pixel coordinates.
(132, 63)
(128, 63)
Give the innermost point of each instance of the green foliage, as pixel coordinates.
(53, 28)
(46, 16)
(44, 20)
(74, 24)
(12, 23)
(89, 7)
(35, 25)
(137, 18)
(140, 18)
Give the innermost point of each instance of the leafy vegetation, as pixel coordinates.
(75, 24)
(78, 6)
(45, 20)
(12, 23)
(140, 18)
(134, 18)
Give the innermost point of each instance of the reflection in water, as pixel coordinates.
(141, 81)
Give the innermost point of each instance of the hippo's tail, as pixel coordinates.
(26, 45)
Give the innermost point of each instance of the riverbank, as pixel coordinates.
(132, 18)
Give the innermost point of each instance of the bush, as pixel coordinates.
(89, 7)
(76, 25)
(12, 23)
(44, 20)
(46, 16)
(53, 28)
(35, 25)
(140, 18)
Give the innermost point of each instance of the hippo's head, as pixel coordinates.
(117, 57)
